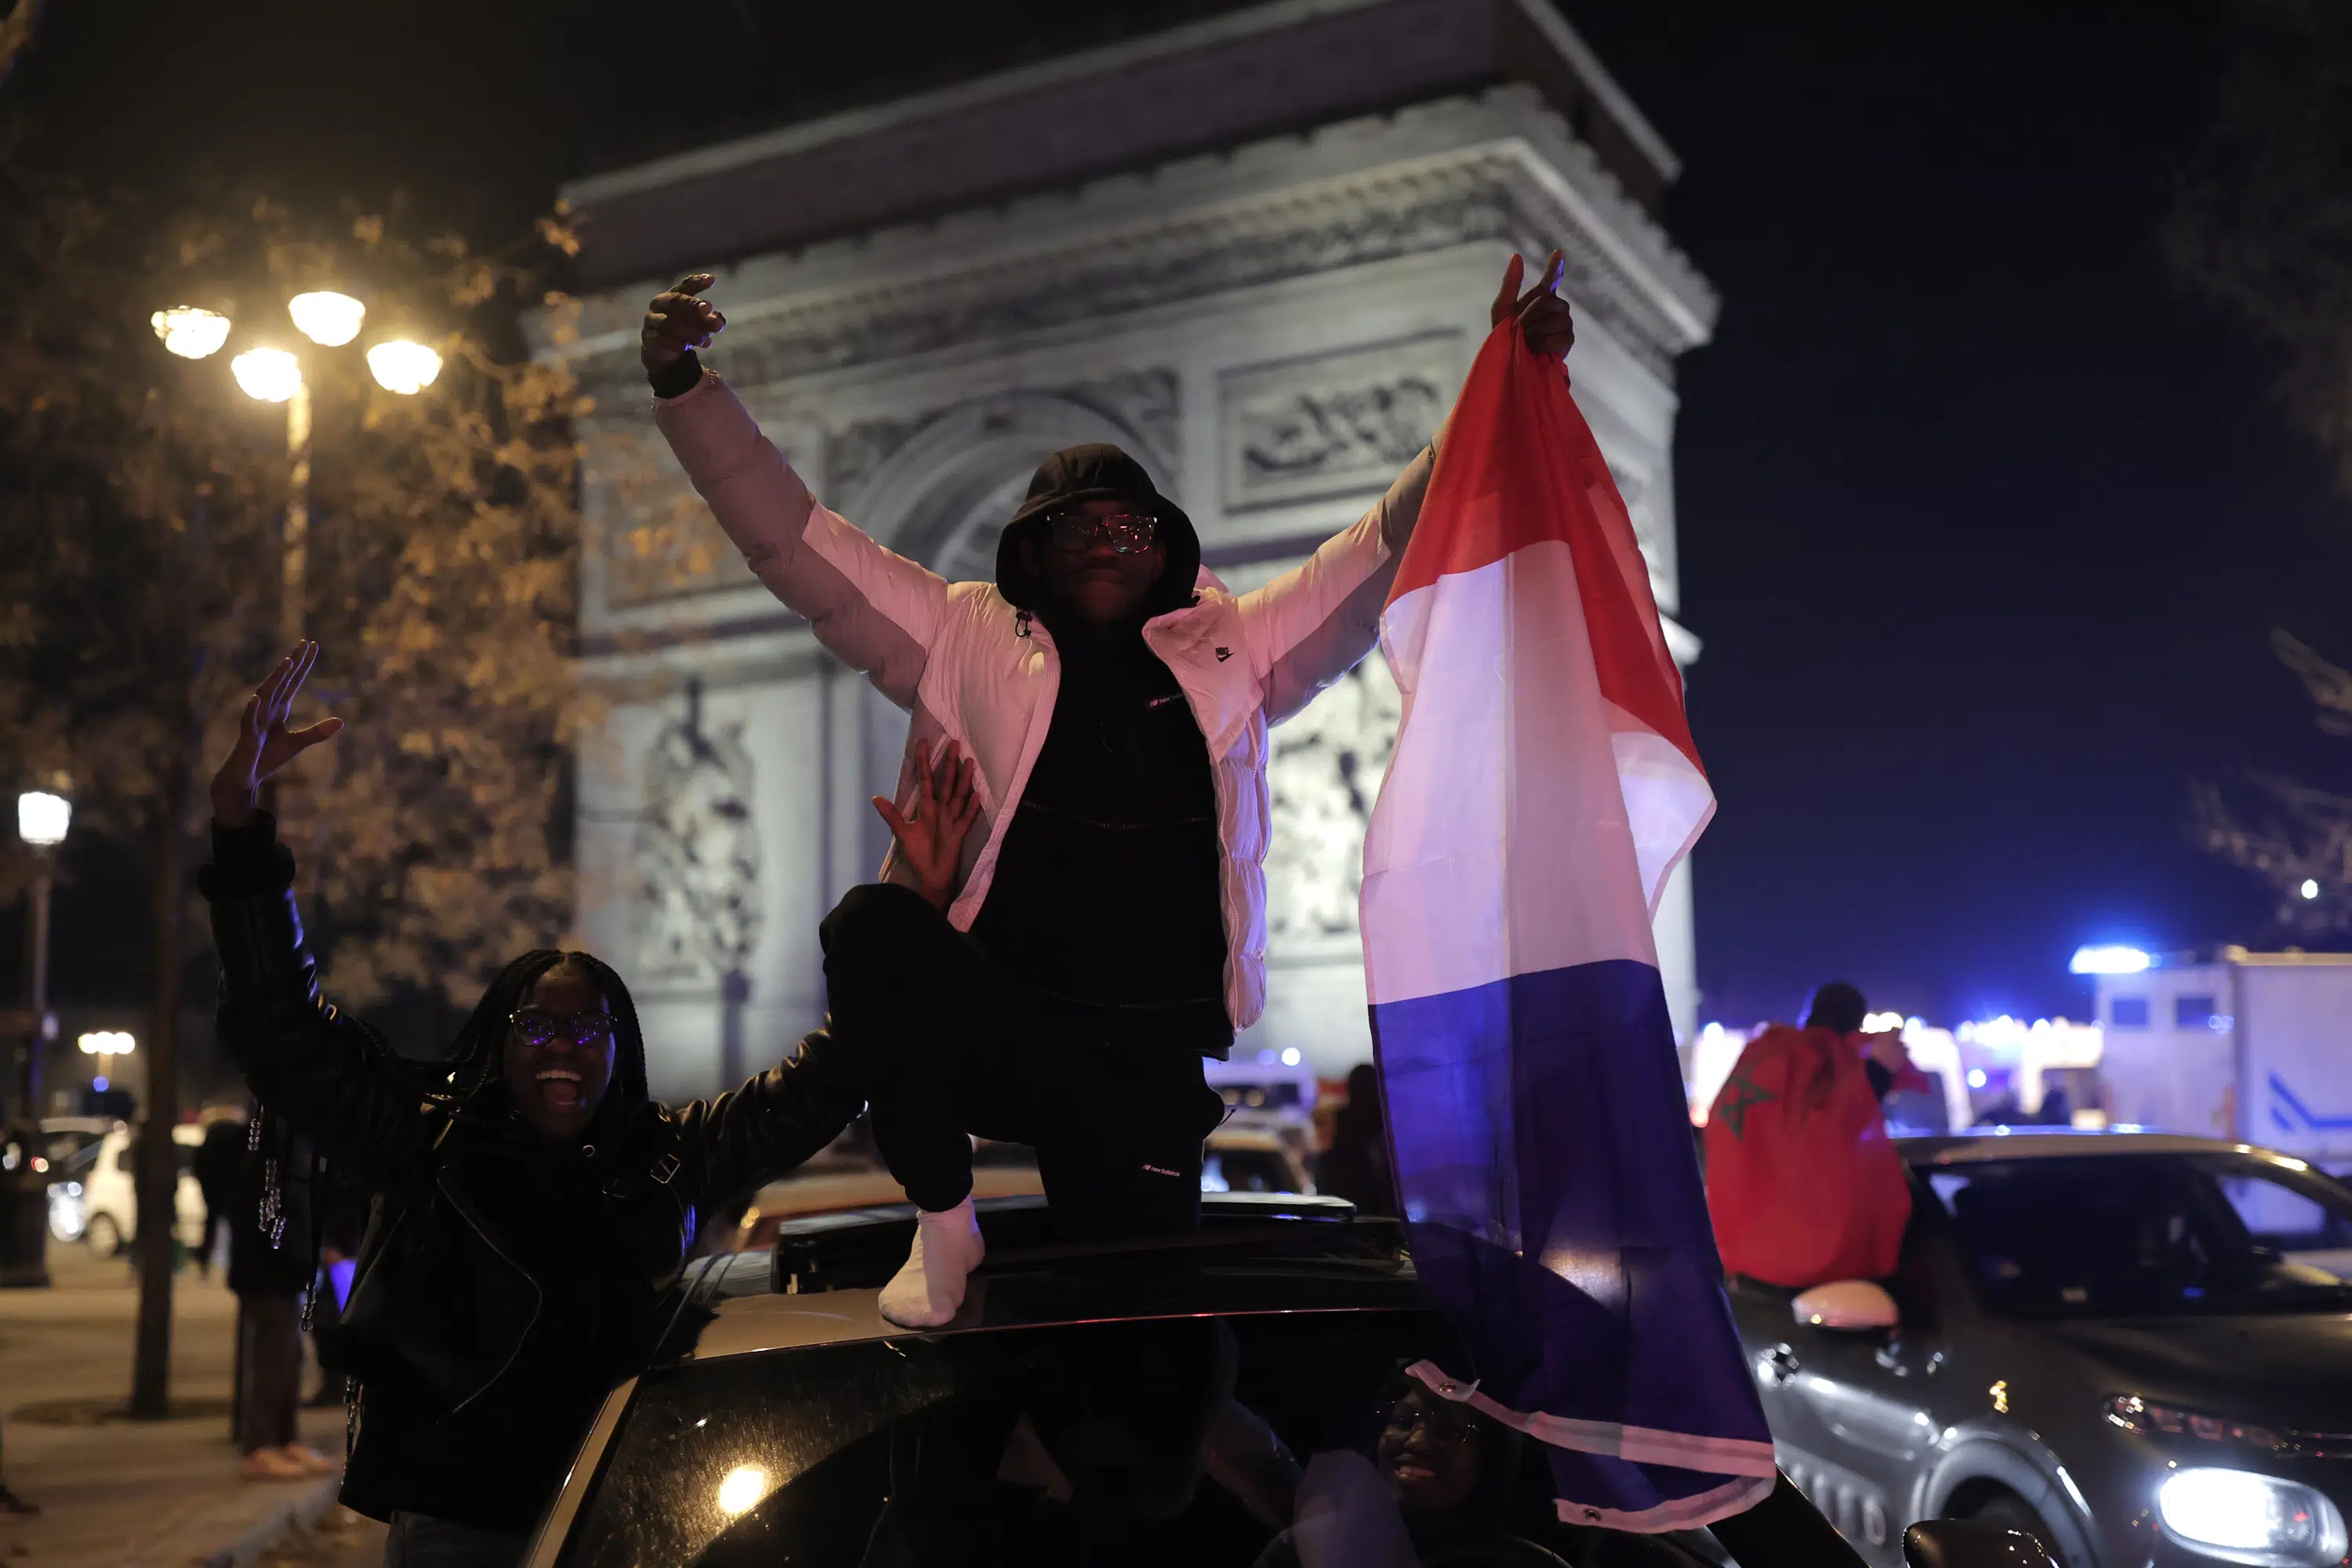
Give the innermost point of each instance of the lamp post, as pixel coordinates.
(271, 374)
(42, 818)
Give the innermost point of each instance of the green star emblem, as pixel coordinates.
(1741, 1095)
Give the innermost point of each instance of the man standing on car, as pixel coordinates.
(1101, 712)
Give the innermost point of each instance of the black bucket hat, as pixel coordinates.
(1098, 471)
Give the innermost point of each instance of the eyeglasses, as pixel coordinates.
(1126, 532)
(583, 1030)
(1439, 1426)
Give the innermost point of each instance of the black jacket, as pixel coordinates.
(504, 1285)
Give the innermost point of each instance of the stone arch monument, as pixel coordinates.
(1269, 298)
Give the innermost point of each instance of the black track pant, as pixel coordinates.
(944, 1044)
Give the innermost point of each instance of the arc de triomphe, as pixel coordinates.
(1255, 251)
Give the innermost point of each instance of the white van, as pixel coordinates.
(92, 1197)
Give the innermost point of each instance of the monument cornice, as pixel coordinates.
(1512, 175)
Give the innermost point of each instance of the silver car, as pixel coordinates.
(2135, 1346)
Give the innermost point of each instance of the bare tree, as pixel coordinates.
(2262, 221)
(2295, 837)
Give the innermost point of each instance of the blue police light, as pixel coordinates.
(2108, 961)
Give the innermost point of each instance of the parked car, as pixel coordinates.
(1177, 1401)
(1249, 1155)
(2134, 1346)
(1242, 1156)
(92, 1197)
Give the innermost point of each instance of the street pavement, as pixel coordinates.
(139, 1494)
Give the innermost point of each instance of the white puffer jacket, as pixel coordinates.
(971, 668)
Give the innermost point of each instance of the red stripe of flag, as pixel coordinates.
(1516, 431)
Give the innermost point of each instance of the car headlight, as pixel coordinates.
(2242, 1517)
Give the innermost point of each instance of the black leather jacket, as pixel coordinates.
(504, 1285)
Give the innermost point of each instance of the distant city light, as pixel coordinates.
(326, 319)
(190, 332)
(273, 375)
(2310, 889)
(403, 367)
(2109, 960)
(741, 1490)
(1976, 1077)
(1879, 1022)
(108, 1042)
(42, 819)
(1290, 1056)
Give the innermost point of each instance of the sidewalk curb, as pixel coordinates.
(299, 1513)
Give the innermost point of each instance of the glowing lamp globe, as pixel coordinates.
(273, 375)
(191, 332)
(403, 367)
(326, 319)
(42, 819)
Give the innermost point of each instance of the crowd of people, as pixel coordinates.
(1070, 919)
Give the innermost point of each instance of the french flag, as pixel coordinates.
(1544, 786)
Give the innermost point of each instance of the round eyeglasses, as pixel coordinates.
(583, 1030)
(1126, 532)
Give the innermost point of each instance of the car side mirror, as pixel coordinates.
(1851, 1306)
(1966, 1543)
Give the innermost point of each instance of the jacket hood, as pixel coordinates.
(1098, 472)
(477, 1056)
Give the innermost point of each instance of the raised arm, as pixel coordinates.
(1313, 624)
(772, 1124)
(324, 1072)
(878, 611)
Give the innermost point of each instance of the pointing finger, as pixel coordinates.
(1506, 298)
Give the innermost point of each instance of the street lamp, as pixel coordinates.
(274, 375)
(190, 331)
(43, 817)
(105, 1044)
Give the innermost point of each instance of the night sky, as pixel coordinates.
(1984, 523)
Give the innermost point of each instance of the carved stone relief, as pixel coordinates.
(1324, 775)
(1334, 423)
(698, 850)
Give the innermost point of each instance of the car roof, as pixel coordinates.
(820, 1284)
(1985, 1143)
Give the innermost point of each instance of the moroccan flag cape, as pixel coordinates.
(1543, 788)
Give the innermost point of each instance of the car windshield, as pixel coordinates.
(2122, 1234)
(1260, 1441)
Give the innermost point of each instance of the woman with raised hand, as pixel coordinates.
(530, 1200)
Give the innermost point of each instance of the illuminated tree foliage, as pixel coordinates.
(142, 557)
(2296, 838)
(141, 573)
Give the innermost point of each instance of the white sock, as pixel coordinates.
(928, 1290)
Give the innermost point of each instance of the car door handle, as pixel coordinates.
(1781, 1364)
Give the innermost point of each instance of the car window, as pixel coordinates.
(2295, 1224)
(2113, 1235)
(1196, 1441)
(1246, 1171)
